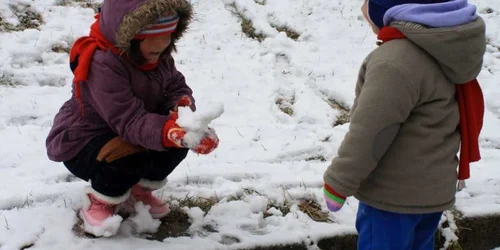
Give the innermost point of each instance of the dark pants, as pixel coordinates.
(382, 230)
(113, 166)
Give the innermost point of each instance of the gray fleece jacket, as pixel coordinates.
(400, 153)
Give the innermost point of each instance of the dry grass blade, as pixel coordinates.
(290, 33)
(28, 19)
(320, 158)
(344, 116)
(205, 204)
(60, 48)
(81, 3)
(313, 210)
(246, 24)
(286, 104)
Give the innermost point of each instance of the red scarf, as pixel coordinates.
(471, 107)
(81, 56)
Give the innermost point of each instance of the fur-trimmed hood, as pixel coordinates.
(121, 20)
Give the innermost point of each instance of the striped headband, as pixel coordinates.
(165, 25)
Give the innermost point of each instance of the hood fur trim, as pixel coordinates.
(148, 14)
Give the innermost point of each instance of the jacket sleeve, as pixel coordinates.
(109, 92)
(384, 103)
(175, 89)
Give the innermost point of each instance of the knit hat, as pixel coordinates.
(377, 8)
(165, 25)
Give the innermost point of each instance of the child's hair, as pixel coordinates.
(134, 51)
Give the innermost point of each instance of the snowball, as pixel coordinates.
(274, 211)
(141, 222)
(258, 204)
(196, 123)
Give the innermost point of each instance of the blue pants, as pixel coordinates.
(382, 230)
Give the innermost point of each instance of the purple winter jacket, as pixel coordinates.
(118, 97)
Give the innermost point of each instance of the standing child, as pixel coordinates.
(118, 130)
(417, 101)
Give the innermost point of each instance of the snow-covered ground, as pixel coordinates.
(277, 132)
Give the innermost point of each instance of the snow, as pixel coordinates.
(109, 227)
(277, 134)
(196, 123)
(141, 222)
(448, 232)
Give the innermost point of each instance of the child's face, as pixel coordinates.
(364, 10)
(152, 47)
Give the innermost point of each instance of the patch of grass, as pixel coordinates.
(175, 224)
(229, 240)
(313, 210)
(316, 158)
(248, 28)
(8, 81)
(81, 3)
(63, 2)
(209, 228)
(290, 33)
(246, 24)
(28, 19)
(6, 27)
(58, 48)
(242, 194)
(283, 208)
(285, 105)
(205, 204)
(89, 4)
(342, 119)
(344, 116)
(449, 227)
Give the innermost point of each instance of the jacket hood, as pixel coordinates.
(459, 50)
(120, 21)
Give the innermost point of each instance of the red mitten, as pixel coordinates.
(173, 135)
(208, 143)
(185, 101)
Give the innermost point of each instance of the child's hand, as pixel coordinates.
(173, 134)
(173, 137)
(208, 143)
(334, 200)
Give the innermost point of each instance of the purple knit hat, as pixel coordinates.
(377, 8)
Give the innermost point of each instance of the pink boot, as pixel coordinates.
(98, 213)
(143, 191)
